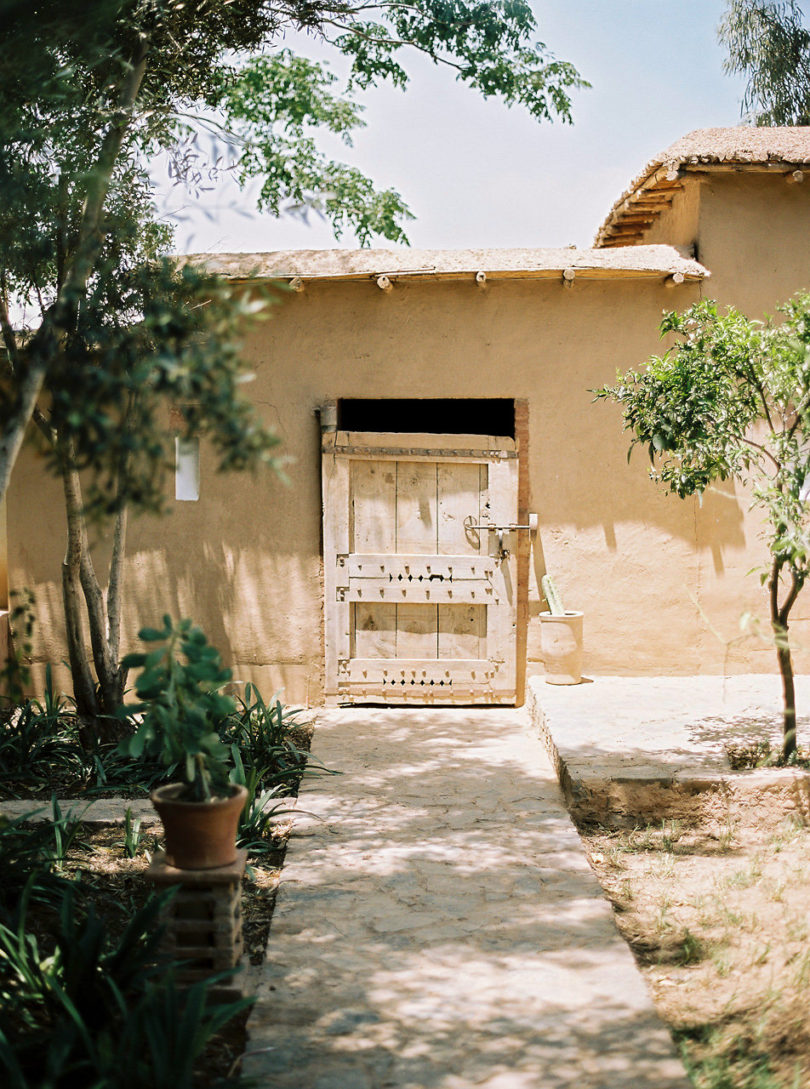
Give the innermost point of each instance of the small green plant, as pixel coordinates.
(53, 705)
(133, 835)
(691, 949)
(255, 831)
(789, 830)
(751, 754)
(714, 1062)
(65, 831)
(260, 735)
(727, 835)
(744, 879)
(33, 745)
(662, 921)
(182, 706)
(671, 833)
(721, 959)
(26, 855)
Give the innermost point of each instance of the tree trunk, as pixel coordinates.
(83, 687)
(779, 626)
(95, 704)
(11, 439)
(788, 693)
(115, 587)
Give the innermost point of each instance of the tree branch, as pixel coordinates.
(762, 449)
(790, 600)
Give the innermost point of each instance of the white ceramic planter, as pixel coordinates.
(561, 647)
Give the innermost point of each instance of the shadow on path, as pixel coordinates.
(439, 926)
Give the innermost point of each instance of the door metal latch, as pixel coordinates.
(512, 527)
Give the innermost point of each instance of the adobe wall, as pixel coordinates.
(753, 235)
(678, 225)
(662, 582)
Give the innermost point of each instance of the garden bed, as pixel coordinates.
(715, 909)
(114, 886)
(86, 995)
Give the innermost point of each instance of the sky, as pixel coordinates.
(478, 174)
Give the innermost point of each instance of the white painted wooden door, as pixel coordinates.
(420, 600)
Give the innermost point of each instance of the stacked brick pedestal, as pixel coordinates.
(203, 921)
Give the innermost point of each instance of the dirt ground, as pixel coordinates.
(717, 912)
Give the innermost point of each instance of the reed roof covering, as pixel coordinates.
(744, 148)
(485, 264)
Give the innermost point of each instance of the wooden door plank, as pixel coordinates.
(502, 621)
(417, 632)
(479, 669)
(443, 568)
(373, 503)
(404, 445)
(462, 631)
(375, 630)
(418, 608)
(458, 487)
(416, 530)
(467, 592)
(337, 635)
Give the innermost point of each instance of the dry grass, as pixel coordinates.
(717, 915)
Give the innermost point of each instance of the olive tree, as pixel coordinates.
(731, 401)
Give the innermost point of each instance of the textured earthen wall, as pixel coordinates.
(662, 582)
(753, 236)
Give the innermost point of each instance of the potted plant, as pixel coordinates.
(182, 707)
(560, 638)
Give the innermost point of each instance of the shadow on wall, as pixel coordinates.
(246, 599)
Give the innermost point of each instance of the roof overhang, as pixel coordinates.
(780, 151)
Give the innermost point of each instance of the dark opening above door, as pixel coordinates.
(446, 416)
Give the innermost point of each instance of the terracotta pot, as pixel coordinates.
(199, 835)
(561, 647)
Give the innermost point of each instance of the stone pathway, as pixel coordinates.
(98, 811)
(438, 926)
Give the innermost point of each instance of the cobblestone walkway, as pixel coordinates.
(438, 926)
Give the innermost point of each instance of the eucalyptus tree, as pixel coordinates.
(768, 41)
(731, 400)
(112, 333)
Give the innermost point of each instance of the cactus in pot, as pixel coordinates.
(560, 638)
(552, 596)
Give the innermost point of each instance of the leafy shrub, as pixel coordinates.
(184, 725)
(33, 743)
(87, 1011)
(260, 737)
(26, 854)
